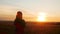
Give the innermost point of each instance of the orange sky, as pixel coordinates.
(30, 9)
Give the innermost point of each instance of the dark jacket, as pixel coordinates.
(20, 21)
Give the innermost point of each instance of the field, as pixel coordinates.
(7, 27)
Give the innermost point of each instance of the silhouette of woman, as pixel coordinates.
(19, 23)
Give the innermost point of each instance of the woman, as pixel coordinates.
(19, 23)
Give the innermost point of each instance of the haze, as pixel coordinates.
(30, 9)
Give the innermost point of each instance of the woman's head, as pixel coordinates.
(19, 15)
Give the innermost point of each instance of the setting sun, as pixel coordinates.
(41, 17)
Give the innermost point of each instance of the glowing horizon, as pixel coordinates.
(30, 9)
(41, 17)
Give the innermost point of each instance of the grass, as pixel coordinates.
(7, 27)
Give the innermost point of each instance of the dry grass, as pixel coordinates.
(31, 28)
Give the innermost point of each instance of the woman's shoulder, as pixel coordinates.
(23, 20)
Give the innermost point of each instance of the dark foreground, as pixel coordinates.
(7, 27)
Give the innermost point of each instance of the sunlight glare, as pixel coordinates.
(41, 17)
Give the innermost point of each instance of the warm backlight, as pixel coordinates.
(41, 17)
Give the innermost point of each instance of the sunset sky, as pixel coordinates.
(30, 9)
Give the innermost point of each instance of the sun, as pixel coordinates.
(41, 17)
